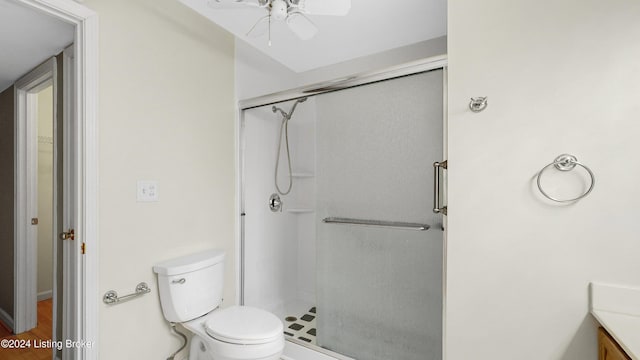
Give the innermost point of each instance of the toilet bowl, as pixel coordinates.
(190, 290)
(236, 333)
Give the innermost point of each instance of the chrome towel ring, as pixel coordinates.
(566, 162)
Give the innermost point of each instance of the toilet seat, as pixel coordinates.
(243, 325)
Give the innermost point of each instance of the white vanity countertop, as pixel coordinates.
(617, 308)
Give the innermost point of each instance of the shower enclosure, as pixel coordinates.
(351, 258)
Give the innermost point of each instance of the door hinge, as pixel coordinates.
(83, 248)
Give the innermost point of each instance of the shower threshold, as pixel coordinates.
(300, 350)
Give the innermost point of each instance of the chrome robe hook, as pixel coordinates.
(478, 104)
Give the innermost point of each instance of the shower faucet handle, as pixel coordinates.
(275, 203)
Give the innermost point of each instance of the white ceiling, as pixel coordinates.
(372, 26)
(28, 38)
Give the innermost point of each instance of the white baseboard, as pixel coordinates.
(6, 319)
(45, 295)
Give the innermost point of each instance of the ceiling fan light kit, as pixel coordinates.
(279, 9)
(292, 12)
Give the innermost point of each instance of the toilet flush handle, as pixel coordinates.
(179, 281)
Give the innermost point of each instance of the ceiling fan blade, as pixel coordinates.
(301, 26)
(324, 7)
(235, 4)
(260, 28)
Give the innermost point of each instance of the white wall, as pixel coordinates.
(279, 246)
(270, 237)
(7, 153)
(302, 138)
(258, 74)
(45, 194)
(167, 114)
(560, 77)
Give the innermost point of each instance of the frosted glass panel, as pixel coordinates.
(379, 291)
(379, 296)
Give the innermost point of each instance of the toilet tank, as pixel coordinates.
(190, 286)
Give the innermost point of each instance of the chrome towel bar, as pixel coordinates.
(111, 296)
(377, 223)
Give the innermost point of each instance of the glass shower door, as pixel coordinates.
(379, 289)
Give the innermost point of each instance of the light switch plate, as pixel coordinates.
(147, 191)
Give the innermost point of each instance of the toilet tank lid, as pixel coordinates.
(189, 263)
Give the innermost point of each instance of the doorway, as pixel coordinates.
(80, 142)
(40, 202)
(44, 262)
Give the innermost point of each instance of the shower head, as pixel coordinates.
(301, 100)
(284, 114)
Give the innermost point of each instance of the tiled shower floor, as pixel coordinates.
(303, 327)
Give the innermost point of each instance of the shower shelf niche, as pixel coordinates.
(302, 203)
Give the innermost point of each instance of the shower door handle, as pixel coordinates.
(436, 187)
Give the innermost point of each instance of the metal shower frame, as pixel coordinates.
(406, 69)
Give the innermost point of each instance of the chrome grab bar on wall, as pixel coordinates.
(111, 297)
(436, 187)
(377, 223)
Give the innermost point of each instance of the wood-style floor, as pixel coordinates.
(40, 333)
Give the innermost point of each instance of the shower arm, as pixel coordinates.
(296, 104)
(286, 116)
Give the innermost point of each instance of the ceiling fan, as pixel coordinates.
(292, 12)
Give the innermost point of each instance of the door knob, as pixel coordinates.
(67, 235)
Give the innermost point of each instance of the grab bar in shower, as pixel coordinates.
(377, 223)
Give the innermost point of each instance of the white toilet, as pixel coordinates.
(190, 293)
